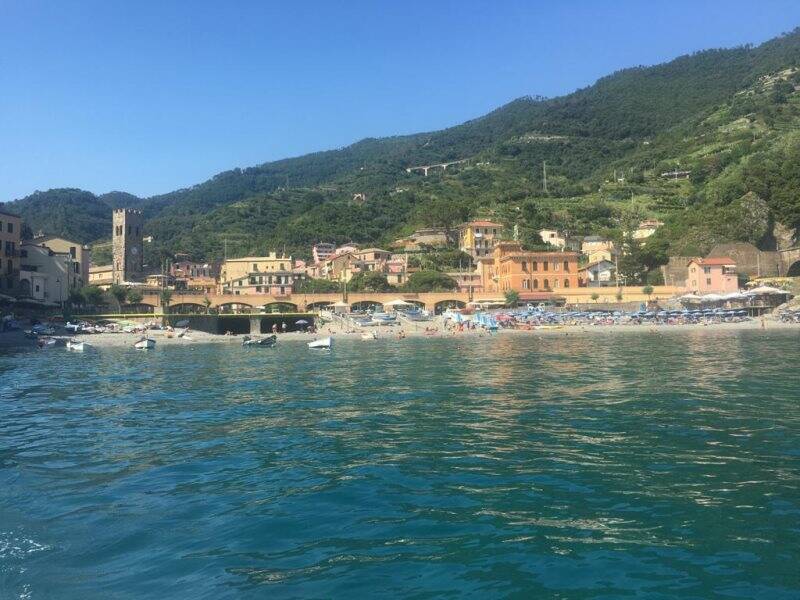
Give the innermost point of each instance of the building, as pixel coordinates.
(712, 275)
(10, 232)
(102, 276)
(126, 242)
(468, 282)
(596, 243)
(477, 238)
(513, 268)
(47, 276)
(78, 253)
(322, 252)
(196, 276)
(646, 229)
(271, 275)
(598, 274)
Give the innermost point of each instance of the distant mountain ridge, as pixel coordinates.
(600, 126)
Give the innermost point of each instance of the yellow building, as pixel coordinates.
(477, 238)
(271, 274)
(79, 255)
(102, 276)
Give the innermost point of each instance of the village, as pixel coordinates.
(48, 271)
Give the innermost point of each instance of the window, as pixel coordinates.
(129, 229)
(555, 266)
(566, 267)
(708, 280)
(282, 269)
(77, 267)
(546, 284)
(555, 283)
(255, 266)
(535, 266)
(566, 283)
(137, 230)
(524, 267)
(10, 227)
(707, 270)
(546, 266)
(23, 254)
(536, 284)
(525, 284)
(72, 251)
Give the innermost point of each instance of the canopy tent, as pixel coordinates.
(765, 289)
(396, 303)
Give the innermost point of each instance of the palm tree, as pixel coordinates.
(207, 303)
(166, 296)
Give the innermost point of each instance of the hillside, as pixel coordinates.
(729, 116)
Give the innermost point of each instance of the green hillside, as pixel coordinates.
(728, 116)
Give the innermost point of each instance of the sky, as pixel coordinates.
(147, 97)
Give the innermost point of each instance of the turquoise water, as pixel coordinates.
(627, 465)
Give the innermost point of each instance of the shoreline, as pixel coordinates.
(120, 340)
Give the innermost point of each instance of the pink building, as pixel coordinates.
(712, 275)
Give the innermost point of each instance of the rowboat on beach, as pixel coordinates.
(145, 343)
(76, 345)
(324, 343)
(266, 342)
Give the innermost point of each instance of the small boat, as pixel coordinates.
(268, 341)
(76, 345)
(369, 335)
(326, 343)
(145, 344)
(47, 341)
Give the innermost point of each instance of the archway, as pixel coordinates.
(232, 308)
(443, 305)
(25, 288)
(366, 305)
(140, 308)
(187, 308)
(312, 306)
(417, 304)
(279, 307)
(794, 270)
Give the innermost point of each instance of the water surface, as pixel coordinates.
(627, 465)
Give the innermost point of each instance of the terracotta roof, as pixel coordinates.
(714, 261)
(482, 224)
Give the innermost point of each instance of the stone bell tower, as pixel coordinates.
(127, 245)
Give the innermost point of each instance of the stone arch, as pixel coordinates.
(366, 305)
(443, 305)
(279, 307)
(140, 308)
(234, 307)
(187, 308)
(794, 269)
(312, 306)
(417, 304)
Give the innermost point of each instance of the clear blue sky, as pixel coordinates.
(147, 97)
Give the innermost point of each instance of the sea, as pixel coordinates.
(614, 465)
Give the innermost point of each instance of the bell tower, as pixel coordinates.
(127, 245)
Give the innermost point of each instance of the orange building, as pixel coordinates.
(513, 268)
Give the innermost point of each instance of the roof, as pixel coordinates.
(527, 255)
(595, 238)
(722, 261)
(595, 263)
(371, 250)
(481, 224)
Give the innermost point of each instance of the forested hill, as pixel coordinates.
(632, 119)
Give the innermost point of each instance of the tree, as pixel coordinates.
(512, 298)
(165, 296)
(134, 296)
(369, 281)
(207, 303)
(92, 295)
(75, 298)
(119, 293)
(619, 296)
(430, 281)
(647, 291)
(595, 296)
(317, 286)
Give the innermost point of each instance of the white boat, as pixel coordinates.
(75, 345)
(326, 342)
(145, 344)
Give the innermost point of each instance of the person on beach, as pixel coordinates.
(283, 327)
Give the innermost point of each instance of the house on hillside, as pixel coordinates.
(598, 274)
(712, 275)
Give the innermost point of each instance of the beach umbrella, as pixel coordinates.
(301, 322)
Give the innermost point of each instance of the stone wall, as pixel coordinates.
(750, 260)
